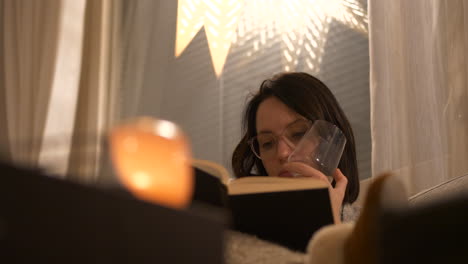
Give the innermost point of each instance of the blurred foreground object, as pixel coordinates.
(44, 219)
(153, 160)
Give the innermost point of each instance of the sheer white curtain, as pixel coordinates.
(56, 79)
(419, 89)
(96, 109)
(28, 51)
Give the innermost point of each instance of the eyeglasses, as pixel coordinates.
(265, 145)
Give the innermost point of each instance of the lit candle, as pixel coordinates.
(153, 160)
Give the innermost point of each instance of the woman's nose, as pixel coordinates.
(284, 148)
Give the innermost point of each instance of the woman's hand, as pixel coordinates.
(336, 193)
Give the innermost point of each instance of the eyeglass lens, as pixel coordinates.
(265, 145)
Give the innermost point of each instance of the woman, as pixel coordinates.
(286, 103)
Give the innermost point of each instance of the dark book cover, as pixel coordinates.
(288, 218)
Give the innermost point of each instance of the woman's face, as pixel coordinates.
(274, 117)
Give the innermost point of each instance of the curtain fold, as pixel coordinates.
(56, 142)
(139, 42)
(456, 68)
(98, 84)
(58, 65)
(418, 83)
(29, 41)
(4, 144)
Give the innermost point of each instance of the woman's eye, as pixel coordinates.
(267, 145)
(297, 136)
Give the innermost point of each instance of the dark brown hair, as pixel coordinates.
(309, 97)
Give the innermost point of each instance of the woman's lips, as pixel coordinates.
(286, 174)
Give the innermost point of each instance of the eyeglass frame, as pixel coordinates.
(250, 142)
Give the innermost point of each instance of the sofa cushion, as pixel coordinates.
(445, 190)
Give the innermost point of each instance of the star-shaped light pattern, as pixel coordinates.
(189, 22)
(220, 19)
(257, 28)
(302, 25)
(306, 30)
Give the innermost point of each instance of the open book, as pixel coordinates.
(286, 211)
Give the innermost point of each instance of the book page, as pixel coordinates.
(259, 184)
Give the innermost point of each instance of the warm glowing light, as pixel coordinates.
(302, 26)
(141, 180)
(305, 25)
(152, 159)
(220, 18)
(189, 22)
(165, 129)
